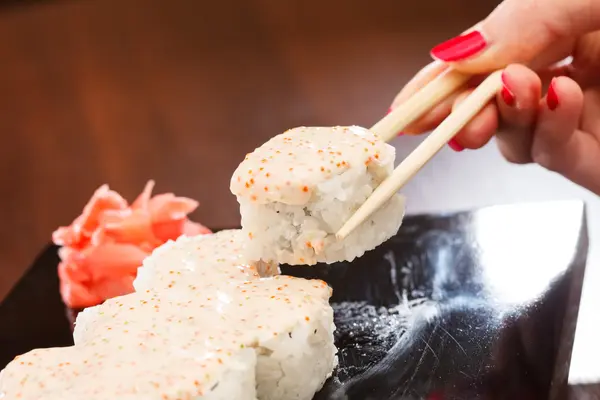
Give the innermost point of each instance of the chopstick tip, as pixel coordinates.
(342, 233)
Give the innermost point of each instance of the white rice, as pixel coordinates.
(287, 321)
(296, 353)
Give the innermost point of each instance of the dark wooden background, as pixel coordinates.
(120, 91)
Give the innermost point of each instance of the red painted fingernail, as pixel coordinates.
(389, 111)
(507, 95)
(460, 47)
(400, 133)
(552, 97)
(454, 145)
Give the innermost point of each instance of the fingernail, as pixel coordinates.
(507, 95)
(460, 47)
(551, 96)
(454, 145)
(400, 133)
(389, 111)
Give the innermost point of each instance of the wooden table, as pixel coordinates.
(120, 91)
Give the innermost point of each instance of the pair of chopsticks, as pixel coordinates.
(415, 107)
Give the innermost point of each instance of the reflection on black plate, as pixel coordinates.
(473, 305)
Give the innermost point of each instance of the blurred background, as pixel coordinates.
(122, 91)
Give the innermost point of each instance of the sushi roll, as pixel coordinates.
(292, 332)
(202, 324)
(200, 260)
(188, 333)
(299, 188)
(127, 361)
(286, 321)
(96, 374)
(139, 372)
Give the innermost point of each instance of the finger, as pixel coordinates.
(433, 118)
(575, 156)
(560, 69)
(582, 66)
(439, 112)
(518, 105)
(478, 132)
(586, 60)
(556, 52)
(422, 78)
(518, 31)
(558, 145)
(590, 120)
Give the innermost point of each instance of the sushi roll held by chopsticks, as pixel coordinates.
(330, 194)
(299, 188)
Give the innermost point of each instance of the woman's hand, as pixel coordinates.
(553, 43)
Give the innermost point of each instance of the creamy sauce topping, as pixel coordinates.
(142, 371)
(215, 316)
(209, 260)
(289, 167)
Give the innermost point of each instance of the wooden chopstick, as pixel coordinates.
(421, 102)
(478, 99)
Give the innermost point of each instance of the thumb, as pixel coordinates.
(520, 31)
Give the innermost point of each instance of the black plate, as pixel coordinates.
(500, 286)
